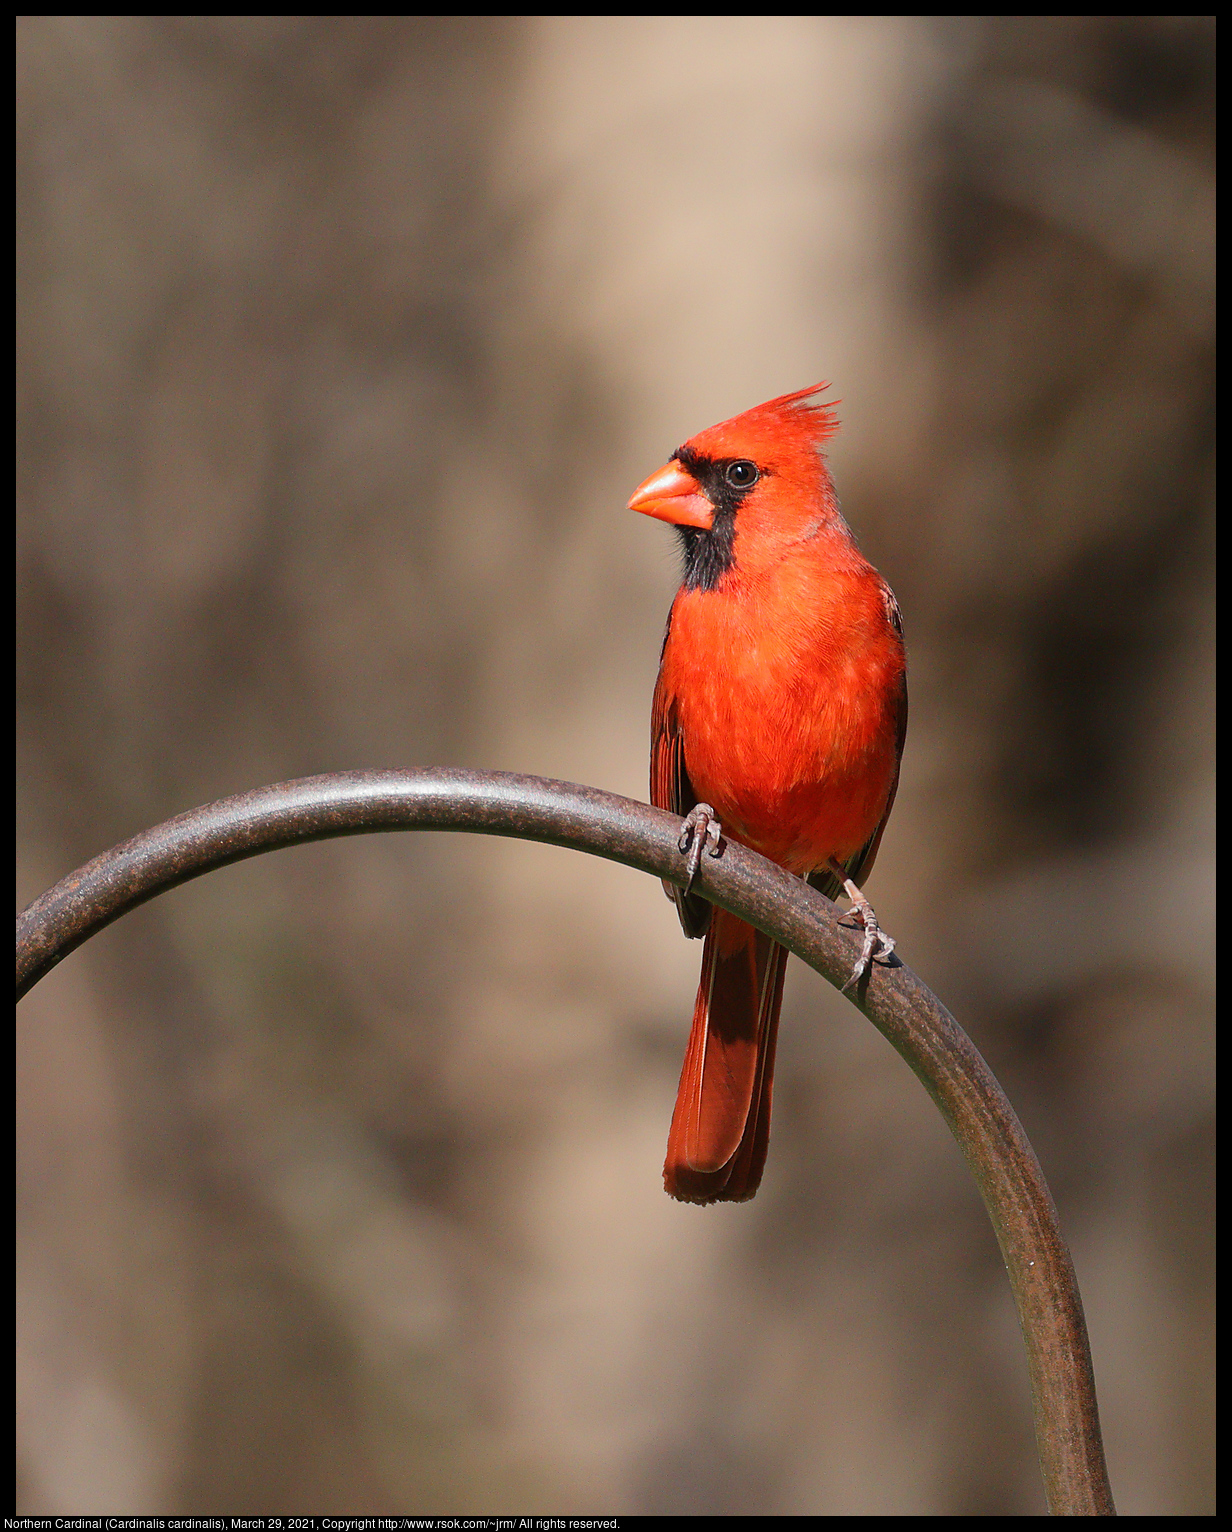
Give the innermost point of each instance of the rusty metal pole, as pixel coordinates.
(898, 1004)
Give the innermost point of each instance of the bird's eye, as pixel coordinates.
(742, 475)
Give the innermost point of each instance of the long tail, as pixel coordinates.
(721, 1126)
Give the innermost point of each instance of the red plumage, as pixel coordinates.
(781, 704)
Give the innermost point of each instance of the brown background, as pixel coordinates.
(341, 346)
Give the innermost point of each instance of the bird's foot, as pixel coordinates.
(699, 828)
(878, 944)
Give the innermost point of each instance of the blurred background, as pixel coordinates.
(342, 344)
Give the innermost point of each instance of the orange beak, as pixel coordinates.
(674, 495)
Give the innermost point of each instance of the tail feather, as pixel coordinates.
(716, 1149)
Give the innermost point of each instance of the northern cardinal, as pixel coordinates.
(778, 721)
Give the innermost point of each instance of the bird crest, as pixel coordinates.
(783, 431)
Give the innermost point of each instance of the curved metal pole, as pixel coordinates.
(898, 1004)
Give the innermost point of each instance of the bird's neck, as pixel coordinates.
(823, 544)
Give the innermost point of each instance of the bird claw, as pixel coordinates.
(699, 828)
(878, 946)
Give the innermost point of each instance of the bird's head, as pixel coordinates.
(741, 494)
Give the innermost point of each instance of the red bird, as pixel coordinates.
(779, 716)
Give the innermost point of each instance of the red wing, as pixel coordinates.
(860, 865)
(860, 868)
(671, 789)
